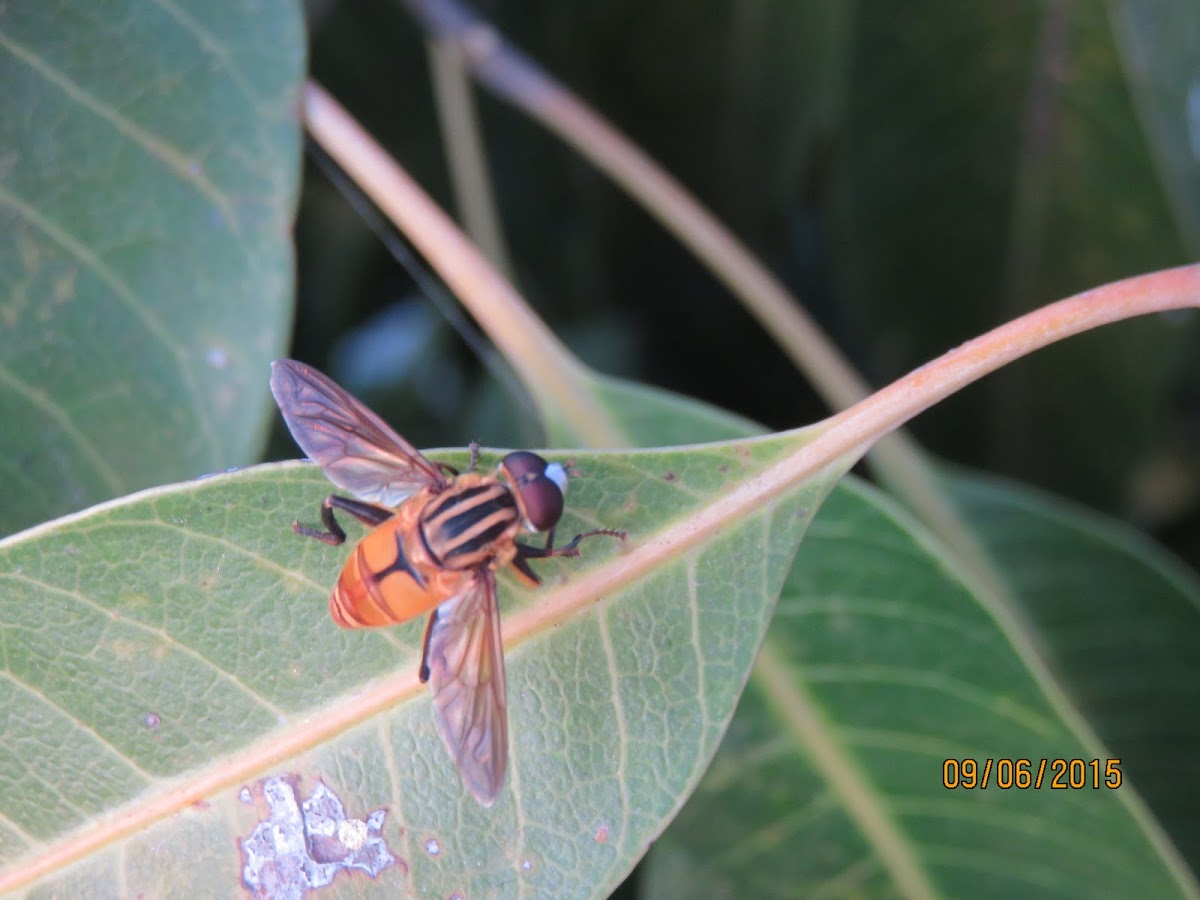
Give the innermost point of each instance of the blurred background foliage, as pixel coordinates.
(916, 174)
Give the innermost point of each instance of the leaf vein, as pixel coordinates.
(610, 657)
(216, 49)
(127, 296)
(11, 825)
(174, 159)
(1003, 707)
(161, 633)
(235, 549)
(771, 834)
(55, 412)
(84, 727)
(389, 761)
(701, 687)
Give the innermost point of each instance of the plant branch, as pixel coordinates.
(518, 80)
(839, 441)
(899, 461)
(833, 444)
(465, 155)
(556, 380)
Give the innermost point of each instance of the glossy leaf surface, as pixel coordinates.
(146, 189)
(1119, 619)
(175, 648)
(882, 664)
(1111, 613)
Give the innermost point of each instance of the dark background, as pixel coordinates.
(916, 176)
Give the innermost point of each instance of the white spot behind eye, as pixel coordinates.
(558, 474)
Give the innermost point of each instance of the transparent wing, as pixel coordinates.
(466, 674)
(357, 450)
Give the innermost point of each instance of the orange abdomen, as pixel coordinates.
(390, 576)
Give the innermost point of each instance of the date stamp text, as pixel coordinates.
(1031, 774)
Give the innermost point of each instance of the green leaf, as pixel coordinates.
(174, 648)
(880, 665)
(146, 192)
(1119, 621)
(761, 822)
(1026, 177)
(1158, 50)
(651, 417)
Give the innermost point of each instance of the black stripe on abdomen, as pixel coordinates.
(400, 565)
(460, 528)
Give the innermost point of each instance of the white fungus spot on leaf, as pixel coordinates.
(302, 845)
(352, 833)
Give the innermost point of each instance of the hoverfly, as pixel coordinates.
(438, 539)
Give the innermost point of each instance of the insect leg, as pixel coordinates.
(423, 672)
(524, 568)
(571, 549)
(450, 470)
(334, 534)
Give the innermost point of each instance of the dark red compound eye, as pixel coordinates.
(523, 466)
(539, 496)
(543, 502)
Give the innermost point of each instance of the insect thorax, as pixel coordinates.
(472, 523)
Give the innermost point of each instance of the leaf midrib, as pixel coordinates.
(558, 604)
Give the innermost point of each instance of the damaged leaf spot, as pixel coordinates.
(305, 843)
(432, 848)
(353, 833)
(152, 720)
